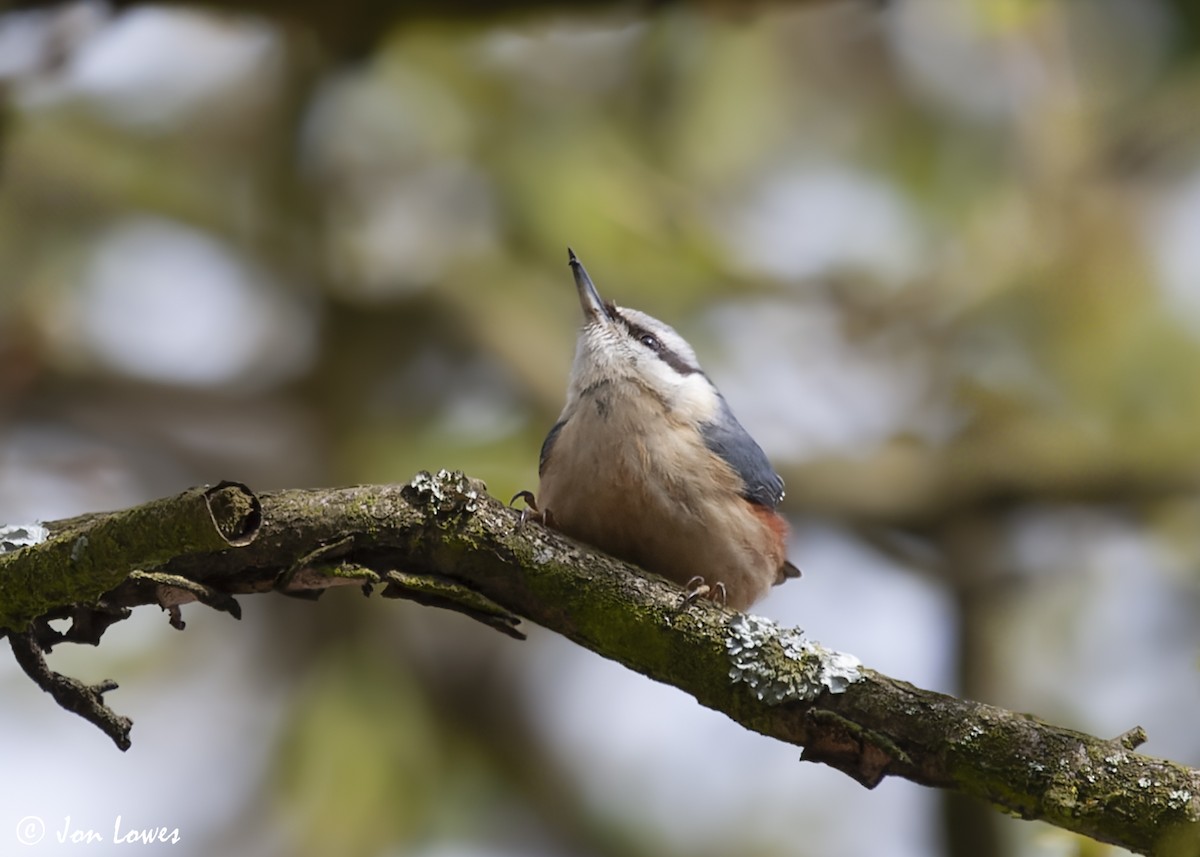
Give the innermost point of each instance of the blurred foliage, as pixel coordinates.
(359, 722)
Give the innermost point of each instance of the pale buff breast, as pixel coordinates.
(659, 499)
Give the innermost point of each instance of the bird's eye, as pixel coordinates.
(650, 341)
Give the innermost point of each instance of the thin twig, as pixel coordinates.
(86, 700)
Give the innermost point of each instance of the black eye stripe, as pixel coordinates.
(655, 344)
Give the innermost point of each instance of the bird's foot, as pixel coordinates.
(531, 512)
(698, 588)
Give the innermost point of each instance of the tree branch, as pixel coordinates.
(85, 700)
(442, 541)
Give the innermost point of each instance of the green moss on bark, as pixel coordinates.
(80, 564)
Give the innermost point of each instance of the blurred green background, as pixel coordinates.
(941, 256)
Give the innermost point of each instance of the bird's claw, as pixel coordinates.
(697, 588)
(531, 512)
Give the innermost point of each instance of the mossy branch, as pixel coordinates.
(442, 541)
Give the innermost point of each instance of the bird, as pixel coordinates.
(648, 463)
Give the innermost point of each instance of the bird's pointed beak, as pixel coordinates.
(593, 307)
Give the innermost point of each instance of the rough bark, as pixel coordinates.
(440, 540)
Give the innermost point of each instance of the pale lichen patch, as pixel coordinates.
(16, 536)
(1178, 798)
(813, 667)
(77, 549)
(447, 491)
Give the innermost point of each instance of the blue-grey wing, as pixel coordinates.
(548, 445)
(726, 437)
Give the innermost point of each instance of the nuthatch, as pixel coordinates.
(648, 463)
